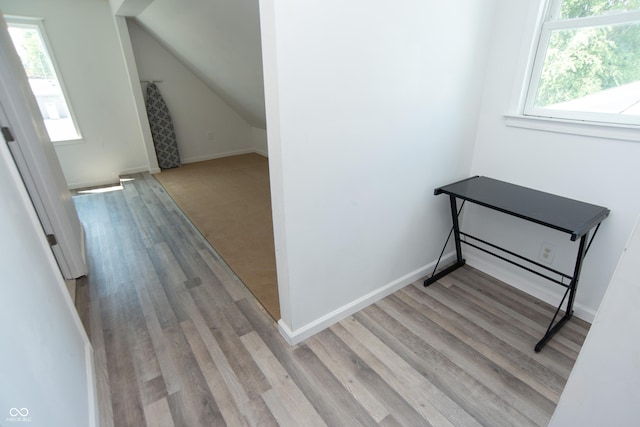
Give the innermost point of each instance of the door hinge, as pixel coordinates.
(7, 134)
(52, 240)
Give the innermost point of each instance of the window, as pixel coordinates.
(587, 64)
(30, 43)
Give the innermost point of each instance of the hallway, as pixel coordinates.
(179, 341)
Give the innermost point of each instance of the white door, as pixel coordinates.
(46, 363)
(24, 130)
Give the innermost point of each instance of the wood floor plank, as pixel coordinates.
(81, 301)
(320, 387)
(180, 409)
(237, 320)
(148, 231)
(252, 409)
(349, 380)
(153, 390)
(482, 403)
(195, 390)
(231, 283)
(125, 397)
(434, 405)
(526, 304)
(535, 327)
(283, 388)
(179, 341)
(150, 310)
(389, 421)
(280, 410)
(218, 388)
(516, 393)
(520, 364)
(169, 274)
(504, 330)
(158, 414)
(103, 387)
(371, 391)
(142, 351)
(241, 361)
(150, 290)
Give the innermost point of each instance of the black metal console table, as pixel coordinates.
(566, 215)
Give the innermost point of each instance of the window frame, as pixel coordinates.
(549, 23)
(38, 23)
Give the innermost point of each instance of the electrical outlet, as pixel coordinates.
(547, 253)
(210, 136)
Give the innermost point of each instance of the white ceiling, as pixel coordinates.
(218, 40)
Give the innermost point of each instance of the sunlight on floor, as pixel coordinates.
(106, 188)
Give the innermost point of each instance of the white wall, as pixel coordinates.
(596, 170)
(603, 386)
(370, 106)
(196, 111)
(219, 40)
(259, 141)
(46, 359)
(84, 41)
(129, 7)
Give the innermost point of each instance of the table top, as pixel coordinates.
(567, 215)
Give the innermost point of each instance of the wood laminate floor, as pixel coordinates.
(229, 202)
(179, 341)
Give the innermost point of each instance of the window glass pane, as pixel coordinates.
(594, 69)
(583, 8)
(44, 82)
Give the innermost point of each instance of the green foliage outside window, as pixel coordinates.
(32, 55)
(582, 8)
(584, 61)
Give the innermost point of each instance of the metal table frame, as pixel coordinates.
(560, 213)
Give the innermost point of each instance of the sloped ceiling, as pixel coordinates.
(219, 40)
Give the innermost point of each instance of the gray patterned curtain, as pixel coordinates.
(164, 137)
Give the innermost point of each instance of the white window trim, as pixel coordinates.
(39, 22)
(515, 117)
(574, 127)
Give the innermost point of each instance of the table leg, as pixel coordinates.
(552, 329)
(456, 229)
(456, 236)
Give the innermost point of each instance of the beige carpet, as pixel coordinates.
(229, 201)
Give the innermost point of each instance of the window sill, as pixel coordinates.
(591, 129)
(67, 142)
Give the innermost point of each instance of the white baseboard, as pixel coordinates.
(262, 153)
(90, 184)
(491, 268)
(92, 388)
(312, 328)
(134, 170)
(551, 294)
(115, 180)
(218, 155)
